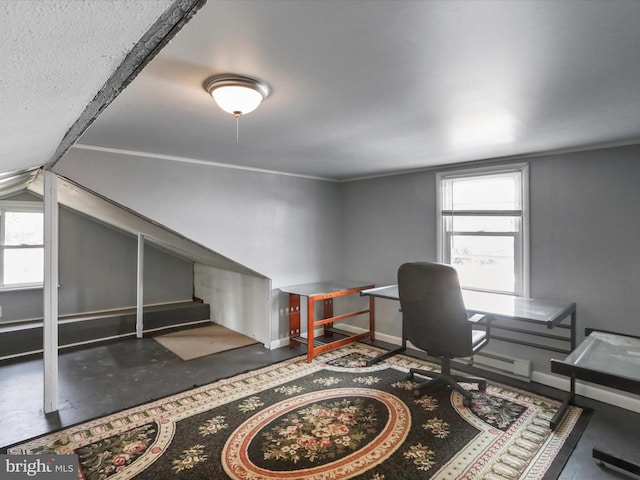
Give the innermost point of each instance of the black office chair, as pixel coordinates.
(435, 320)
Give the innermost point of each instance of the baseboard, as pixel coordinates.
(279, 343)
(589, 391)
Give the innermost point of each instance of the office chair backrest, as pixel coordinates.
(434, 316)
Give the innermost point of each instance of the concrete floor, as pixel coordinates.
(102, 379)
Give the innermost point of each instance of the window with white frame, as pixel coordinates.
(483, 227)
(22, 244)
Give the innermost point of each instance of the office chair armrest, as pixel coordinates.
(476, 318)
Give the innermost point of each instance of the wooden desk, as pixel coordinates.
(506, 307)
(611, 360)
(325, 291)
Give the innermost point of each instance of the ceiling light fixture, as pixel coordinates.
(236, 94)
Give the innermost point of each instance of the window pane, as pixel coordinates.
(485, 192)
(23, 228)
(458, 223)
(23, 265)
(484, 262)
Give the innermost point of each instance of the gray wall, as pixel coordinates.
(97, 271)
(284, 227)
(585, 225)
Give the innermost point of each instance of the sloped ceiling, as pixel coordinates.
(77, 198)
(13, 182)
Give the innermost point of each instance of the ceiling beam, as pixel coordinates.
(160, 33)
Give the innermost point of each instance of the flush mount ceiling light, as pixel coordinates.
(236, 94)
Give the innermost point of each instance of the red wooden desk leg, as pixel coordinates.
(294, 319)
(327, 312)
(311, 316)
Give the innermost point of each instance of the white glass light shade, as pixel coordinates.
(235, 94)
(237, 100)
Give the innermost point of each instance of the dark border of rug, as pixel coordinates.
(557, 465)
(561, 459)
(552, 473)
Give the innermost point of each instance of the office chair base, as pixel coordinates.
(445, 378)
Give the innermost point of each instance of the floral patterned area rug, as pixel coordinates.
(329, 419)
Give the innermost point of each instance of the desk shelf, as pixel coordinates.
(325, 292)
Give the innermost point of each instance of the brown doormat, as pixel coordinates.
(203, 341)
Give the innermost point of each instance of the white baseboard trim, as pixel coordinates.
(279, 343)
(589, 390)
(616, 399)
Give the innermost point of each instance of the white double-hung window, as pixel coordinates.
(483, 227)
(22, 244)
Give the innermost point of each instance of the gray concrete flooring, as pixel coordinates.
(102, 379)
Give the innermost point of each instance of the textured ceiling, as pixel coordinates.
(360, 88)
(56, 55)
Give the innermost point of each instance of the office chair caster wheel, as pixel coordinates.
(482, 386)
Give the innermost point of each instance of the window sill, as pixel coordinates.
(20, 288)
